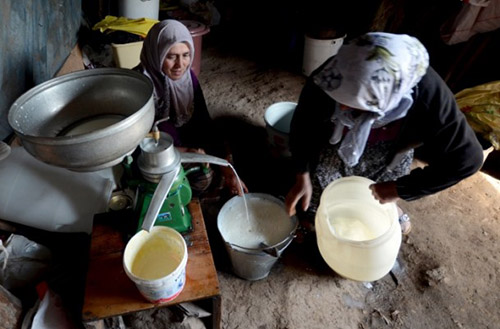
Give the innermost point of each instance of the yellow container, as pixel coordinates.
(156, 263)
(127, 55)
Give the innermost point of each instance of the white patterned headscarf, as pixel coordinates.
(376, 73)
(168, 94)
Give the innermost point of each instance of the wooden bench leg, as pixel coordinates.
(216, 312)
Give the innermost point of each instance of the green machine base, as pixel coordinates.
(174, 212)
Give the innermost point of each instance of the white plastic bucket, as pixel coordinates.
(127, 55)
(278, 117)
(254, 246)
(317, 51)
(358, 237)
(156, 263)
(139, 8)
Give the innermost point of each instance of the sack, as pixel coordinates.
(476, 16)
(22, 262)
(481, 107)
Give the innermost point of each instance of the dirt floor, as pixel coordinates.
(447, 271)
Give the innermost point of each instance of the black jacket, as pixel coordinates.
(434, 126)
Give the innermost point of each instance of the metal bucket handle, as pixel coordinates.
(273, 250)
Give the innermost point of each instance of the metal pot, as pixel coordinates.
(86, 120)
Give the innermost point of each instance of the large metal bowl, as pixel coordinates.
(86, 120)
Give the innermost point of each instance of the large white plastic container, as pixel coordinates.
(358, 237)
(139, 8)
(156, 263)
(317, 51)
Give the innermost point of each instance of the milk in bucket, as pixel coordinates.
(254, 243)
(156, 262)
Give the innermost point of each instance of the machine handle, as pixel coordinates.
(161, 192)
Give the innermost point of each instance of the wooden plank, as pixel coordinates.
(109, 292)
(106, 240)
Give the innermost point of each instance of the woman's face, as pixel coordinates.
(343, 107)
(177, 61)
(354, 112)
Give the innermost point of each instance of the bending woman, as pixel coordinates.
(365, 111)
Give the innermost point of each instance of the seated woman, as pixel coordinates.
(166, 58)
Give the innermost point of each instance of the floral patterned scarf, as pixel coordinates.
(375, 73)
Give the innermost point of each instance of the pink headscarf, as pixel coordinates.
(173, 98)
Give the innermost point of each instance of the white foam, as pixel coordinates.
(267, 223)
(353, 229)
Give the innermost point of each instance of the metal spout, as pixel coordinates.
(189, 157)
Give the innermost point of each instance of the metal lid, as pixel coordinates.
(157, 158)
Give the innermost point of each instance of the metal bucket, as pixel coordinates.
(254, 263)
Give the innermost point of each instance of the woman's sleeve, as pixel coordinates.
(311, 126)
(450, 146)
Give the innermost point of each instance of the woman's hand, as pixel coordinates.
(301, 190)
(385, 192)
(232, 183)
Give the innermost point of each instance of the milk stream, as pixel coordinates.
(242, 193)
(265, 223)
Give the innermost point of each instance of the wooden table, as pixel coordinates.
(109, 292)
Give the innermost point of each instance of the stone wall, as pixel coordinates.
(35, 39)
